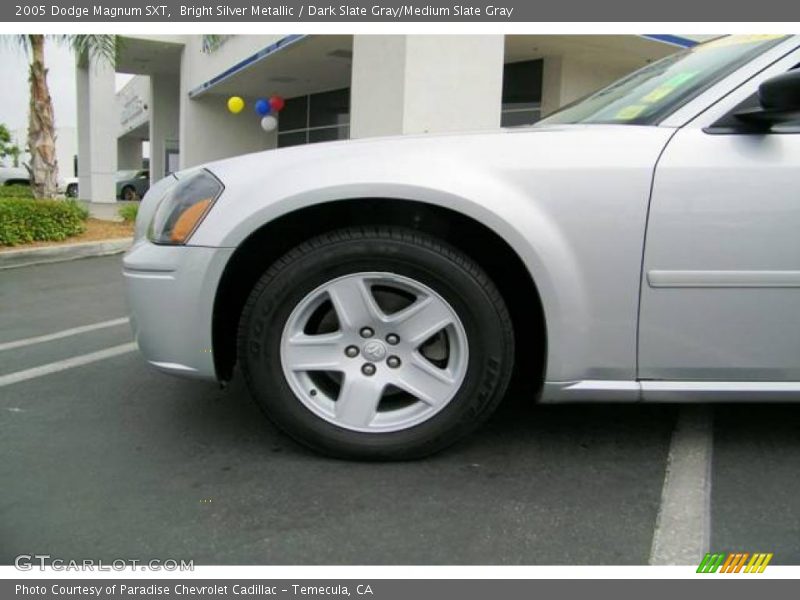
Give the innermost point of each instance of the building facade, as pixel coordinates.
(335, 86)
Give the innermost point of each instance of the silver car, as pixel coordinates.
(378, 295)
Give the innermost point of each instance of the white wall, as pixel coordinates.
(453, 82)
(425, 83)
(66, 151)
(377, 85)
(129, 153)
(97, 122)
(209, 132)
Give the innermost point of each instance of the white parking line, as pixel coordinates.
(683, 527)
(63, 365)
(62, 334)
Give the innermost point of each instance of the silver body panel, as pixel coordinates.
(171, 292)
(721, 293)
(632, 290)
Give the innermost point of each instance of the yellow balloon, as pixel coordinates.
(235, 104)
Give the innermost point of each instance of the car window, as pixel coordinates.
(649, 95)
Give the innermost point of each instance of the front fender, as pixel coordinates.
(531, 233)
(570, 204)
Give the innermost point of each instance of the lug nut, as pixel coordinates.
(368, 369)
(366, 332)
(393, 361)
(351, 351)
(392, 339)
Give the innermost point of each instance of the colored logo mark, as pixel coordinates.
(735, 562)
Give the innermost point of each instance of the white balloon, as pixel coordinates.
(269, 123)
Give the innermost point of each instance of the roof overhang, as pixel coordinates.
(626, 51)
(292, 66)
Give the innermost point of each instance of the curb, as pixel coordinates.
(52, 254)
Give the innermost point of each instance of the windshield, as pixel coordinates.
(651, 94)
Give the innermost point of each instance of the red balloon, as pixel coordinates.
(277, 103)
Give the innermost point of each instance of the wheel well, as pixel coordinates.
(268, 243)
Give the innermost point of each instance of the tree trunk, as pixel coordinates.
(41, 128)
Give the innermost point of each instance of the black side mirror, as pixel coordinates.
(779, 100)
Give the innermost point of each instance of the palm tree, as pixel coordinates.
(43, 167)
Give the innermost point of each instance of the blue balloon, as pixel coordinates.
(262, 107)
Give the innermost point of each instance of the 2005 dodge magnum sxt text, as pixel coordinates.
(641, 244)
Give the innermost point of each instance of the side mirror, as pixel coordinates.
(779, 101)
(781, 92)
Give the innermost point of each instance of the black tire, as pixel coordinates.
(129, 194)
(72, 190)
(454, 276)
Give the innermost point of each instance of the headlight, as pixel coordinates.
(183, 208)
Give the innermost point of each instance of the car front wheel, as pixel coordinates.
(129, 194)
(376, 344)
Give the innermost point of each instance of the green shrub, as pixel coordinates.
(15, 191)
(128, 212)
(23, 221)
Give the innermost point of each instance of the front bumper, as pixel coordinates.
(171, 291)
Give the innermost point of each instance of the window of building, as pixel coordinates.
(522, 93)
(322, 117)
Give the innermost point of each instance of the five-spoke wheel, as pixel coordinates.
(376, 343)
(397, 356)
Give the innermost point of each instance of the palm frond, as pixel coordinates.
(17, 42)
(100, 48)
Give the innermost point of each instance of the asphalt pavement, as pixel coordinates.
(111, 459)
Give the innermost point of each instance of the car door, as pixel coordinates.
(720, 297)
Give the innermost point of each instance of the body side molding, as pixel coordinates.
(723, 279)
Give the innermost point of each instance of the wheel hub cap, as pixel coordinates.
(374, 351)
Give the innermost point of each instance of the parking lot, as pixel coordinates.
(103, 457)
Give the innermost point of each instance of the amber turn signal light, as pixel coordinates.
(188, 221)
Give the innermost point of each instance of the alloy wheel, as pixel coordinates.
(374, 352)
